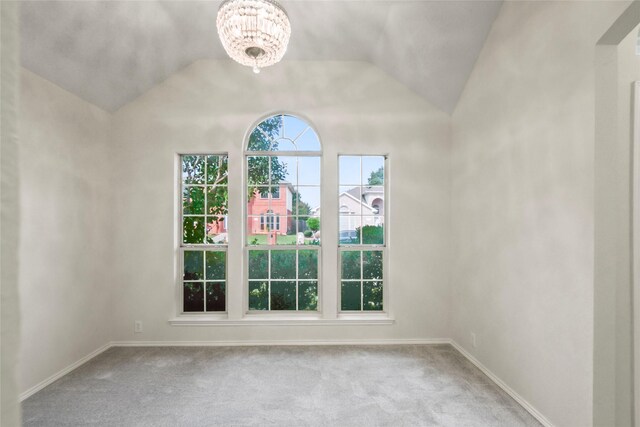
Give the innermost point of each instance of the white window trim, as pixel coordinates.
(236, 314)
(181, 246)
(362, 247)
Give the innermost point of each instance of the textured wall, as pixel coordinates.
(209, 106)
(522, 204)
(65, 229)
(9, 214)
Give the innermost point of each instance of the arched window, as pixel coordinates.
(283, 158)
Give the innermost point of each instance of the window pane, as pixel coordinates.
(283, 144)
(193, 200)
(307, 264)
(309, 171)
(258, 170)
(193, 170)
(372, 295)
(283, 265)
(260, 138)
(350, 200)
(308, 141)
(216, 297)
(193, 230)
(293, 126)
(217, 170)
(372, 264)
(216, 229)
(308, 296)
(308, 200)
(372, 234)
(258, 296)
(349, 230)
(350, 171)
(351, 264)
(193, 265)
(193, 297)
(272, 127)
(283, 295)
(372, 170)
(258, 264)
(283, 170)
(350, 296)
(216, 262)
(217, 200)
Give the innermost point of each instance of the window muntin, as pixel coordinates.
(361, 235)
(282, 222)
(203, 230)
(283, 280)
(204, 199)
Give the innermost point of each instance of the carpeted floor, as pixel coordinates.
(407, 385)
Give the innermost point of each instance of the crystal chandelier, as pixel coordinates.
(253, 32)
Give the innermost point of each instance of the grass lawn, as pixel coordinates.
(261, 239)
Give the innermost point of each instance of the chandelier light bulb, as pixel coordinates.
(254, 33)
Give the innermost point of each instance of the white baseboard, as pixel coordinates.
(36, 388)
(430, 341)
(249, 343)
(526, 405)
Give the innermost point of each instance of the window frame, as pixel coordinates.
(247, 313)
(205, 247)
(384, 247)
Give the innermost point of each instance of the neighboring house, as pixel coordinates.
(271, 212)
(360, 206)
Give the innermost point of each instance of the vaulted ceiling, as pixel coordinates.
(110, 52)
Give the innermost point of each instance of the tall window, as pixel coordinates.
(203, 248)
(362, 232)
(283, 215)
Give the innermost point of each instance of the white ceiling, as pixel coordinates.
(110, 52)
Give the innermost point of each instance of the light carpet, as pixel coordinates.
(400, 385)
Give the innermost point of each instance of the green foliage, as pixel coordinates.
(307, 264)
(263, 139)
(216, 262)
(283, 265)
(258, 265)
(258, 296)
(350, 261)
(283, 295)
(216, 297)
(193, 297)
(372, 296)
(204, 193)
(193, 265)
(372, 265)
(301, 208)
(377, 177)
(308, 296)
(193, 230)
(313, 223)
(308, 233)
(350, 296)
(372, 234)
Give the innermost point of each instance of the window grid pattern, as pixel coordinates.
(362, 234)
(274, 286)
(203, 220)
(283, 161)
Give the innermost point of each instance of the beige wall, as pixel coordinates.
(65, 291)
(208, 107)
(9, 214)
(523, 204)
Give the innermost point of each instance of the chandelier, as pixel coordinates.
(253, 32)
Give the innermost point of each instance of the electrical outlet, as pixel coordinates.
(474, 340)
(137, 326)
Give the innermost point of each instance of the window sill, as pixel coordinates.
(271, 320)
